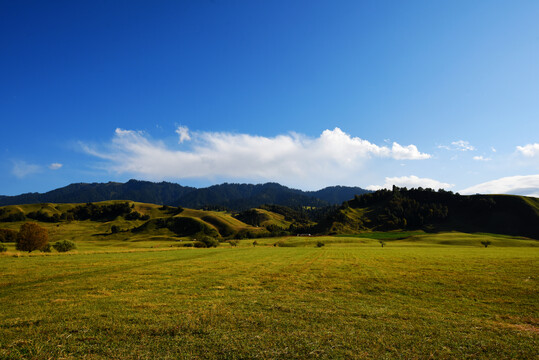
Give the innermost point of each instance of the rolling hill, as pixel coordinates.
(435, 211)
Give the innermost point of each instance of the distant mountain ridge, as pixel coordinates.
(231, 196)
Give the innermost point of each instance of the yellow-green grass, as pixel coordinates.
(223, 222)
(349, 299)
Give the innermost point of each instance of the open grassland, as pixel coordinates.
(419, 297)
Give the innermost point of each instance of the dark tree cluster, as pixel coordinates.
(45, 217)
(8, 235)
(6, 216)
(252, 217)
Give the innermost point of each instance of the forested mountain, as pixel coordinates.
(337, 194)
(245, 196)
(230, 196)
(135, 190)
(431, 210)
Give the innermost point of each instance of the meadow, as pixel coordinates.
(441, 296)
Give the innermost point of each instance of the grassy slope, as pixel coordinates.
(77, 231)
(349, 299)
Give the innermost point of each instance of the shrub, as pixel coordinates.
(486, 243)
(32, 237)
(114, 229)
(233, 242)
(64, 246)
(383, 243)
(208, 241)
(47, 248)
(7, 235)
(255, 243)
(3, 248)
(320, 244)
(199, 244)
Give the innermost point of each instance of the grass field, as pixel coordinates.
(425, 296)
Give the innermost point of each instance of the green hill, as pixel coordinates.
(435, 211)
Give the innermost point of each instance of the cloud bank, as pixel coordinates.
(290, 158)
(516, 185)
(410, 182)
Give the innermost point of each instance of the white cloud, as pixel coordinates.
(462, 145)
(493, 149)
(530, 150)
(459, 145)
(55, 166)
(292, 158)
(22, 169)
(517, 185)
(410, 182)
(183, 132)
(481, 158)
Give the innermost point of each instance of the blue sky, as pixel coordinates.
(305, 93)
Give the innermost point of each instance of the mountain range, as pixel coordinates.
(231, 196)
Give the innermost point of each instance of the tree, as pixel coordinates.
(7, 235)
(486, 243)
(64, 246)
(233, 242)
(32, 237)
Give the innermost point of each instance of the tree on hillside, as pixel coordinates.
(485, 243)
(32, 237)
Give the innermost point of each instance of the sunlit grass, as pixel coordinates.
(349, 299)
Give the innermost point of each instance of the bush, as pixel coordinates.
(255, 243)
(64, 246)
(320, 244)
(114, 229)
(233, 243)
(47, 248)
(7, 235)
(199, 244)
(3, 248)
(485, 243)
(382, 243)
(32, 237)
(209, 241)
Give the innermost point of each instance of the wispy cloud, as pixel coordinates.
(481, 158)
(21, 169)
(517, 185)
(410, 182)
(290, 158)
(459, 145)
(55, 166)
(183, 133)
(530, 150)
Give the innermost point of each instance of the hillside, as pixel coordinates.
(433, 211)
(114, 220)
